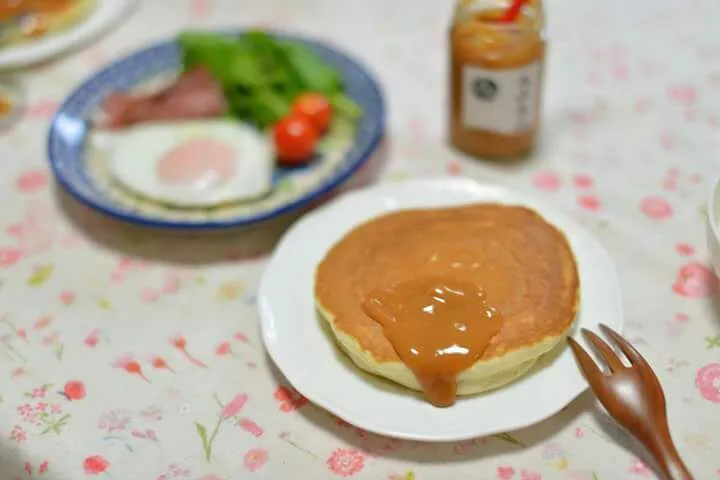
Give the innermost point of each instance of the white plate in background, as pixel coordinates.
(308, 357)
(106, 14)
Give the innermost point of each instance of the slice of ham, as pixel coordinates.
(195, 94)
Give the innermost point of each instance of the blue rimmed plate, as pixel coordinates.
(80, 165)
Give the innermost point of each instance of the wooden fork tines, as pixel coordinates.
(633, 396)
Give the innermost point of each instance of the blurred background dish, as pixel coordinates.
(33, 31)
(79, 153)
(713, 227)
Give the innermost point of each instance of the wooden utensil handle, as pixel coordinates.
(668, 459)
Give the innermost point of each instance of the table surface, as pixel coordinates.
(119, 347)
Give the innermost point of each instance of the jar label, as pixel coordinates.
(500, 101)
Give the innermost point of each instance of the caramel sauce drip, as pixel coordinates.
(439, 327)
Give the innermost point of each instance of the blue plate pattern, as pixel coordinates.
(69, 133)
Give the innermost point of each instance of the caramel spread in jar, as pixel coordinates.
(496, 78)
(439, 327)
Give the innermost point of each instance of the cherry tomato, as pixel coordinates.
(295, 139)
(316, 108)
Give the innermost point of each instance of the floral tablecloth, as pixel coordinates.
(134, 355)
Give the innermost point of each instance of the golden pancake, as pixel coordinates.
(497, 284)
(22, 21)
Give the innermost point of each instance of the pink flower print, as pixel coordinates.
(547, 181)
(43, 467)
(9, 256)
(67, 297)
(552, 451)
(74, 390)
(117, 277)
(684, 249)
(223, 349)
(31, 180)
(180, 343)
(38, 230)
(51, 339)
(589, 202)
(583, 182)
(28, 468)
(346, 462)
(152, 413)
(147, 434)
(131, 366)
(639, 468)
(289, 399)
(695, 280)
(159, 363)
(38, 392)
(233, 407)
(240, 337)
(149, 295)
(682, 94)
(55, 408)
(41, 406)
(656, 208)
(25, 410)
(92, 339)
(505, 472)
(42, 109)
(707, 381)
(255, 459)
(211, 477)
(201, 8)
(251, 427)
(18, 434)
(95, 465)
(530, 475)
(667, 141)
(579, 433)
(114, 420)
(22, 334)
(171, 285)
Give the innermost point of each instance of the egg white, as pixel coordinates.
(134, 154)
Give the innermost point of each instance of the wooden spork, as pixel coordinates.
(633, 396)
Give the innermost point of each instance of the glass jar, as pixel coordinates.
(496, 77)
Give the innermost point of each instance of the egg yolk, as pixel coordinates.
(198, 163)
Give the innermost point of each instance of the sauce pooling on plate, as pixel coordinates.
(439, 327)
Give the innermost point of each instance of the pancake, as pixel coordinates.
(522, 267)
(22, 21)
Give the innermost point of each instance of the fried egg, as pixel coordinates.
(198, 163)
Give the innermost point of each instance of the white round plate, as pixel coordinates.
(297, 342)
(106, 14)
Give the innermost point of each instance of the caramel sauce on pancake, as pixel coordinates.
(438, 327)
(389, 267)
